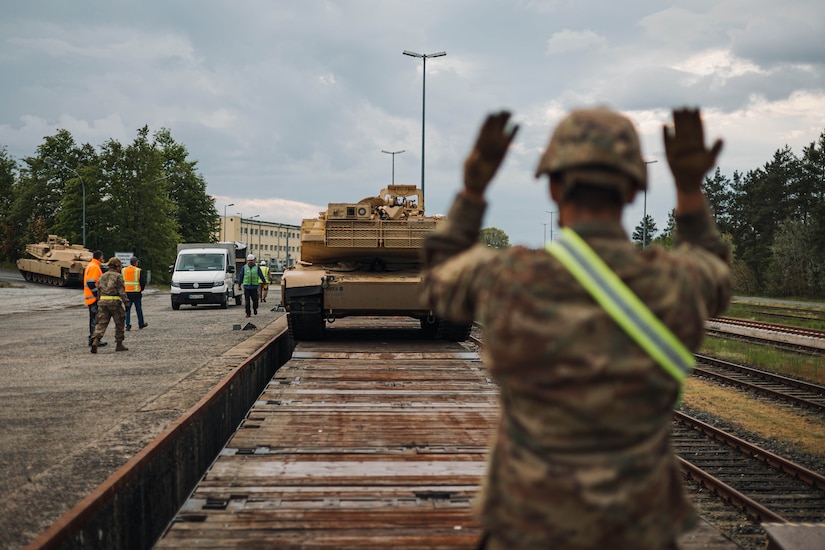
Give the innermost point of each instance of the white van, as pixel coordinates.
(204, 273)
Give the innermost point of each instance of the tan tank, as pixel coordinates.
(55, 262)
(363, 259)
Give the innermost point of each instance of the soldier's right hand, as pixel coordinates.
(687, 156)
(488, 153)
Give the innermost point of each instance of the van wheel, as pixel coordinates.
(175, 305)
(237, 300)
(224, 301)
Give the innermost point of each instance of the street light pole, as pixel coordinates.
(259, 234)
(551, 223)
(225, 206)
(424, 57)
(393, 153)
(51, 162)
(644, 216)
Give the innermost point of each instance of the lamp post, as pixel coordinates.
(393, 153)
(225, 206)
(260, 227)
(51, 162)
(545, 233)
(644, 216)
(551, 223)
(259, 234)
(424, 57)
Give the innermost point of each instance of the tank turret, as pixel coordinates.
(55, 262)
(364, 259)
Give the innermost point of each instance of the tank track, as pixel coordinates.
(66, 278)
(442, 329)
(452, 332)
(305, 319)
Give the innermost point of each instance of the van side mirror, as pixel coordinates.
(171, 268)
(230, 269)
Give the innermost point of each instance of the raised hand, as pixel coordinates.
(488, 153)
(687, 156)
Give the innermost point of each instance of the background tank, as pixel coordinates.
(363, 258)
(55, 262)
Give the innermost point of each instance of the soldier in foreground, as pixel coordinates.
(589, 341)
(113, 303)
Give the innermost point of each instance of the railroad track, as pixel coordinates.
(771, 327)
(798, 392)
(800, 340)
(767, 486)
(782, 312)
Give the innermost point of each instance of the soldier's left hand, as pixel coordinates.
(488, 153)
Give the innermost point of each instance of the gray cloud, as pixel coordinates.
(292, 102)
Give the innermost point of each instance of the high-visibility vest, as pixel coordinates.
(622, 304)
(250, 275)
(131, 279)
(92, 273)
(265, 271)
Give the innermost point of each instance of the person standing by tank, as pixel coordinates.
(588, 340)
(264, 286)
(113, 304)
(134, 278)
(91, 277)
(249, 277)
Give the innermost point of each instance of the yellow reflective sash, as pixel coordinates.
(622, 304)
(110, 297)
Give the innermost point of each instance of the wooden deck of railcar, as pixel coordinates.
(368, 439)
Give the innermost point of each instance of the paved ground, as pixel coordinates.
(69, 418)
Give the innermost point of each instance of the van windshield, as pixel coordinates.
(200, 262)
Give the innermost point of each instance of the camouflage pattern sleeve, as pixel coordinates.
(456, 263)
(459, 233)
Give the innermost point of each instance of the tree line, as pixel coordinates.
(143, 198)
(774, 216)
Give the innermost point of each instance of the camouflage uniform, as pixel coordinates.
(582, 456)
(111, 284)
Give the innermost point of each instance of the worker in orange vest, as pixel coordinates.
(91, 276)
(135, 280)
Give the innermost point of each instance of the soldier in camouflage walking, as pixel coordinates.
(589, 340)
(113, 302)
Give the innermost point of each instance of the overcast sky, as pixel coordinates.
(287, 105)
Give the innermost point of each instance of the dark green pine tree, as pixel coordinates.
(639, 233)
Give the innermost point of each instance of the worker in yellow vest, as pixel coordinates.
(263, 287)
(249, 278)
(135, 280)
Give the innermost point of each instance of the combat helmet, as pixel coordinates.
(597, 138)
(114, 261)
